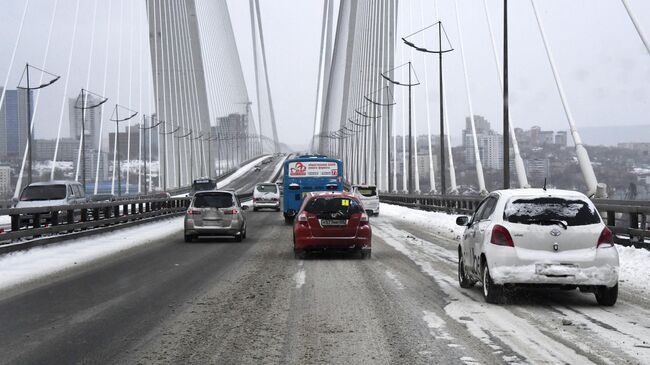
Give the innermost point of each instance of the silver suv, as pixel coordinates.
(215, 213)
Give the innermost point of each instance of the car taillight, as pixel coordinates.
(606, 238)
(231, 211)
(193, 212)
(501, 236)
(302, 218)
(363, 220)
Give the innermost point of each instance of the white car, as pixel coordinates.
(368, 196)
(538, 237)
(266, 195)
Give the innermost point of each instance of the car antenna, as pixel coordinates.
(544, 184)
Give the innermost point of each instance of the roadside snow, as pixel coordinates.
(435, 222)
(634, 268)
(5, 220)
(278, 167)
(23, 266)
(241, 171)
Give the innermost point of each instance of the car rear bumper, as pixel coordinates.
(578, 267)
(231, 230)
(332, 243)
(266, 204)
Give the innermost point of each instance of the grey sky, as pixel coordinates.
(603, 65)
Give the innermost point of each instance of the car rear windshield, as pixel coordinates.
(267, 188)
(322, 205)
(551, 210)
(372, 191)
(203, 186)
(48, 192)
(215, 200)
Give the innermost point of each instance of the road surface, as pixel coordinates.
(218, 301)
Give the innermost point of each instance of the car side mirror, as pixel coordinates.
(244, 207)
(462, 220)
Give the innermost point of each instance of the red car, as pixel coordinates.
(331, 221)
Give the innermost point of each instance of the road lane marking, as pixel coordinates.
(299, 277)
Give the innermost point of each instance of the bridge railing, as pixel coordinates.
(628, 220)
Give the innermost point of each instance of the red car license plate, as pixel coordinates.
(334, 222)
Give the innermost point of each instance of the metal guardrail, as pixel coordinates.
(40, 221)
(628, 220)
(49, 224)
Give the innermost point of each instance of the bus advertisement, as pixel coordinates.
(309, 173)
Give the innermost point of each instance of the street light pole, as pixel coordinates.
(506, 111)
(28, 89)
(410, 84)
(116, 118)
(440, 51)
(83, 105)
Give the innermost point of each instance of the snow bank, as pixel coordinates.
(5, 220)
(436, 222)
(634, 269)
(278, 167)
(23, 266)
(240, 171)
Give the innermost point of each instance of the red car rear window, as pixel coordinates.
(344, 205)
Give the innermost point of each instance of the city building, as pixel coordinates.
(490, 144)
(123, 143)
(44, 149)
(561, 138)
(234, 128)
(93, 119)
(538, 168)
(13, 124)
(5, 181)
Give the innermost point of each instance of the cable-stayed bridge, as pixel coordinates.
(136, 99)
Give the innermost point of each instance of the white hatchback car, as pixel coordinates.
(368, 196)
(538, 237)
(266, 195)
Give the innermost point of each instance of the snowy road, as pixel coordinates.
(217, 301)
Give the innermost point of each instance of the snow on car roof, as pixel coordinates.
(539, 192)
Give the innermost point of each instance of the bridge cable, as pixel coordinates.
(65, 89)
(19, 183)
(477, 156)
(581, 152)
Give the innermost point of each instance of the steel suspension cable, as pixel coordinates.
(477, 156)
(65, 89)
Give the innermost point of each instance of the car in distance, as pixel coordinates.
(538, 237)
(331, 221)
(266, 195)
(51, 193)
(368, 196)
(215, 213)
(102, 198)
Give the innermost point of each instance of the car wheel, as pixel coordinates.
(366, 254)
(288, 220)
(492, 292)
(188, 238)
(299, 254)
(463, 280)
(607, 296)
(255, 209)
(238, 238)
(243, 235)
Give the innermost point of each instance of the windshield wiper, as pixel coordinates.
(560, 222)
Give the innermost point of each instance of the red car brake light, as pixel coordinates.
(606, 238)
(193, 212)
(501, 236)
(364, 221)
(231, 211)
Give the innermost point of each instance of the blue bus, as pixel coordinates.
(309, 173)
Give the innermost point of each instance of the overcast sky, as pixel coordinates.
(603, 65)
